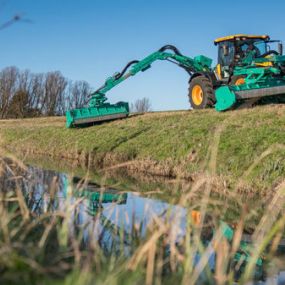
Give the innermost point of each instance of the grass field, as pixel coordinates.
(251, 143)
(212, 148)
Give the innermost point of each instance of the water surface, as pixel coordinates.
(106, 214)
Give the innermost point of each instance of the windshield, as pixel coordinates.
(241, 49)
(259, 47)
(226, 60)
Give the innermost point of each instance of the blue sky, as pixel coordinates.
(90, 40)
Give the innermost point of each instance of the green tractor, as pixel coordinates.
(249, 71)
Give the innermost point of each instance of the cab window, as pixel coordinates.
(226, 60)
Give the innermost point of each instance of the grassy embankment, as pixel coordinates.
(251, 143)
(38, 245)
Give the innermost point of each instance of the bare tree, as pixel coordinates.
(18, 107)
(141, 106)
(36, 94)
(77, 94)
(55, 85)
(8, 81)
(24, 94)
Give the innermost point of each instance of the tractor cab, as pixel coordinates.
(239, 50)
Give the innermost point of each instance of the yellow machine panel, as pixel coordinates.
(241, 36)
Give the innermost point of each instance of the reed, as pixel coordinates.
(41, 241)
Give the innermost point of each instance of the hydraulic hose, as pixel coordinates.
(119, 75)
(170, 47)
(177, 52)
(164, 48)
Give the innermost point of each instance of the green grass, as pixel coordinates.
(167, 143)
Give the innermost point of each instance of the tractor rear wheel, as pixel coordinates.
(201, 93)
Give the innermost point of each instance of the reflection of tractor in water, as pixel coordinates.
(209, 234)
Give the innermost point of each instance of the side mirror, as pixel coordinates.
(226, 50)
(280, 48)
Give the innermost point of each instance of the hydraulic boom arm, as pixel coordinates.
(198, 64)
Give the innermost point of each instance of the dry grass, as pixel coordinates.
(46, 245)
(34, 122)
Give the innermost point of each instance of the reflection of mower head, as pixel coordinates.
(95, 194)
(96, 199)
(104, 197)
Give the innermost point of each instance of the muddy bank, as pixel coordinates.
(112, 161)
(129, 174)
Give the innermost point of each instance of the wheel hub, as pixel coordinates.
(197, 95)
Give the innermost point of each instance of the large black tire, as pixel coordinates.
(201, 93)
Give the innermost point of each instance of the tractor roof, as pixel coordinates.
(241, 36)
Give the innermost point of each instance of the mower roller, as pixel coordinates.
(249, 72)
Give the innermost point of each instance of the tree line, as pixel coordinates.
(24, 94)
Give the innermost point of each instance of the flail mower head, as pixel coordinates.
(97, 111)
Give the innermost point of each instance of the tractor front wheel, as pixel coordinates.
(237, 80)
(201, 93)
